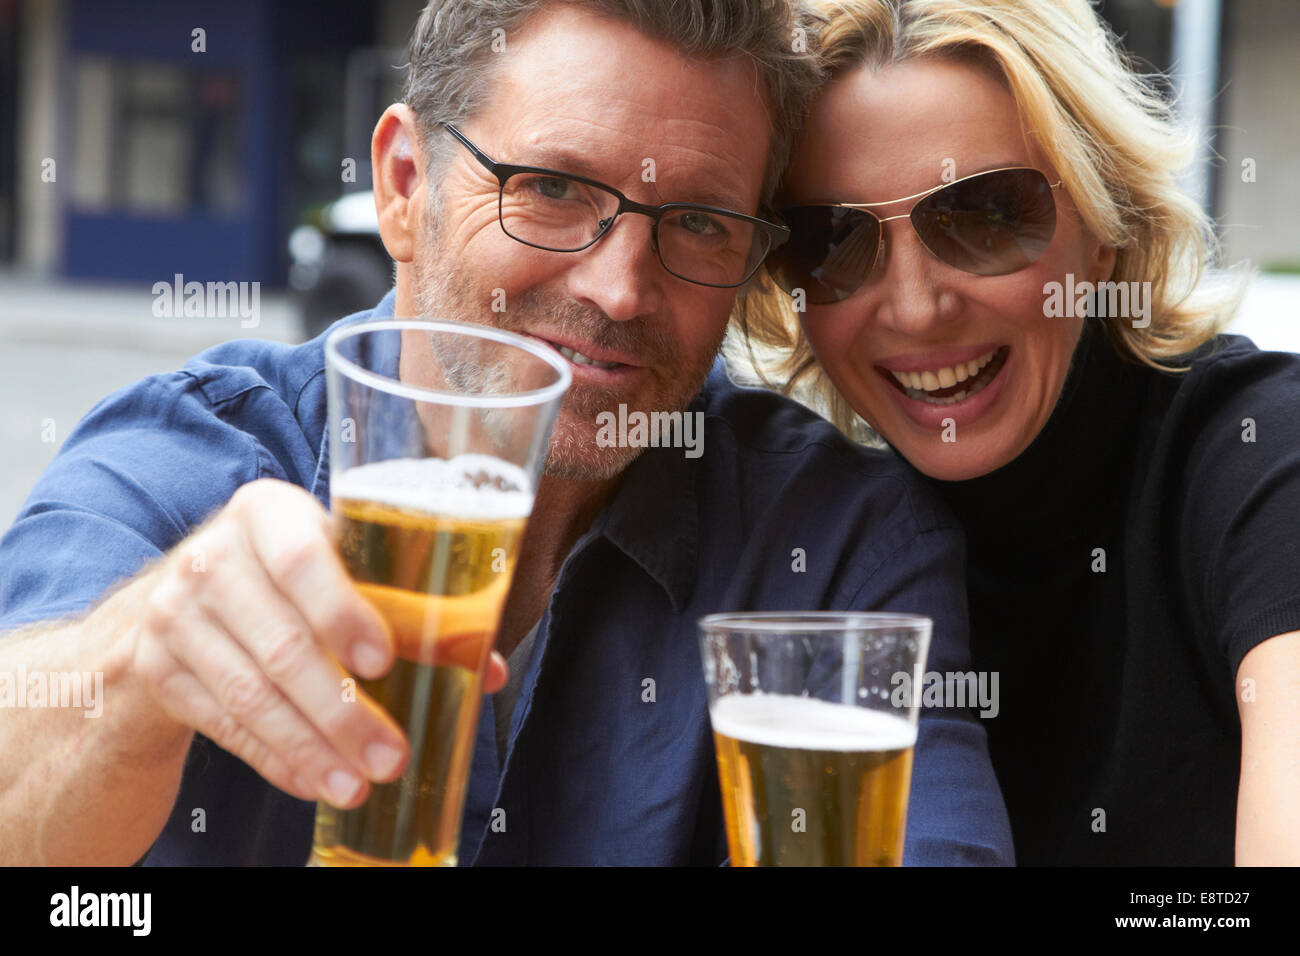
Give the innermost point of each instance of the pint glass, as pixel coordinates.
(813, 736)
(438, 432)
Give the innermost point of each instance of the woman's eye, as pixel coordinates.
(999, 215)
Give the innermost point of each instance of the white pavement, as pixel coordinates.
(65, 345)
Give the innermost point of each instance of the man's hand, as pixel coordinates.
(242, 636)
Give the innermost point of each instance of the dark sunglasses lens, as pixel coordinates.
(830, 251)
(989, 225)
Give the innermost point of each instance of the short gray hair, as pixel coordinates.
(449, 70)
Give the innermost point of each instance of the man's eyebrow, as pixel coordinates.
(560, 160)
(567, 161)
(707, 196)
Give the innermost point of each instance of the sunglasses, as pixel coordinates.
(989, 224)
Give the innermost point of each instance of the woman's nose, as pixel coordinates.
(916, 300)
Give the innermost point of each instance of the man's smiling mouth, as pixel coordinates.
(577, 358)
(584, 355)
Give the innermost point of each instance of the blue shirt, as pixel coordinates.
(594, 773)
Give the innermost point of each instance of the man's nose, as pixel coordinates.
(917, 300)
(620, 274)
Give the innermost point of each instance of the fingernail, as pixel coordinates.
(367, 659)
(382, 759)
(342, 785)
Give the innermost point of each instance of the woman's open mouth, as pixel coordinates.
(952, 384)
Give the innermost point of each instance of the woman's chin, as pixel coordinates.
(956, 460)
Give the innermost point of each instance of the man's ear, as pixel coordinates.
(397, 166)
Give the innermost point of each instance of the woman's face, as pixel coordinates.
(879, 135)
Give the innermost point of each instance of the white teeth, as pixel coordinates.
(932, 380)
(919, 384)
(577, 358)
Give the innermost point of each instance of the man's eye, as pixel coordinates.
(700, 224)
(551, 188)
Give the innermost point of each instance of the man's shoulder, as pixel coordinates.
(227, 371)
(782, 448)
(249, 407)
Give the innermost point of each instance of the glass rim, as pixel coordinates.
(810, 622)
(419, 393)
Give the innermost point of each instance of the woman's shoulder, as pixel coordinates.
(1230, 390)
(1224, 465)
(1229, 366)
(1220, 442)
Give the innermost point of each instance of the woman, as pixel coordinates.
(1129, 480)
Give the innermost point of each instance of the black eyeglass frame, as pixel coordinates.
(777, 233)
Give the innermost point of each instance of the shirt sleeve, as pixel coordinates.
(1241, 520)
(138, 473)
(956, 815)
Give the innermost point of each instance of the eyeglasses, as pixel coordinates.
(989, 224)
(561, 212)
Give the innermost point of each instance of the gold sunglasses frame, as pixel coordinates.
(880, 243)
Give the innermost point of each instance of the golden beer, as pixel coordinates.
(806, 782)
(436, 560)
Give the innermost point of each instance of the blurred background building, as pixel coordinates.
(166, 159)
(131, 152)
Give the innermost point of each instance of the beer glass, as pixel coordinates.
(814, 720)
(438, 432)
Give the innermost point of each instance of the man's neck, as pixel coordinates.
(562, 512)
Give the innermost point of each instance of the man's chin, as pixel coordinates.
(574, 455)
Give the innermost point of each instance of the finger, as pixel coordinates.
(241, 599)
(497, 674)
(291, 536)
(253, 717)
(186, 699)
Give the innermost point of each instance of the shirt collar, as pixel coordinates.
(320, 486)
(652, 518)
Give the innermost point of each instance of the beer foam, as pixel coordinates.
(477, 487)
(806, 723)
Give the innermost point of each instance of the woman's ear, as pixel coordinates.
(1102, 265)
(398, 172)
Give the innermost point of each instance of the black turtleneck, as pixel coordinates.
(1118, 738)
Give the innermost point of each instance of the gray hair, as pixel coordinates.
(450, 64)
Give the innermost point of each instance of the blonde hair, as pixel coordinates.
(1105, 128)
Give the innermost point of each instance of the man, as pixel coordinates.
(625, 549)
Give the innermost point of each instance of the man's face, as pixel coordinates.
(587, 95)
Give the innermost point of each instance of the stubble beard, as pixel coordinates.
(442, 290)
